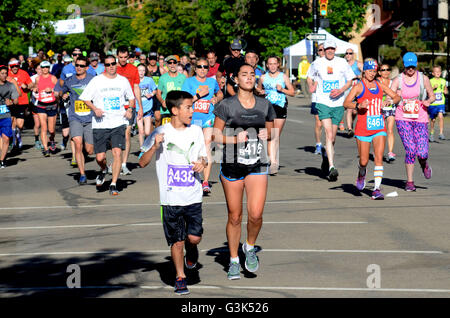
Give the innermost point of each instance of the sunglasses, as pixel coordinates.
(45, 66)
(205, 67)
(110, 64)
(193, 58)
(385, 69)
(411, 68)
(80, 65)
(76, 54)
(347, 53)
(172, 62)
(16, 65)
(320, 50)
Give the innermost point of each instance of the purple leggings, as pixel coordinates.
(414, 136)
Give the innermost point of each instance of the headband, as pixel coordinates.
(370, 65)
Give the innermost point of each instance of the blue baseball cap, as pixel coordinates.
(410, 59)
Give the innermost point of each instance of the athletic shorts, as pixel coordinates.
(64, 121)
(181, 221)
(84, 130)
(18, 111)
(388, 112)
(433, 111)
(313, 109)
(235, 172)
(370, 138)
(51, 110)
(203, 120)
(5, 127)
(148, 113)
(109, 137)
(334, 113)
(280, 112)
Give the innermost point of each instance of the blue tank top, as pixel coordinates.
(270, 86)
(356, 69)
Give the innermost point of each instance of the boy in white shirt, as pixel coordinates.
(180, 158)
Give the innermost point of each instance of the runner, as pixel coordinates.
(230, 67)
(95, 65)
(69, 69)
(276, 85)
(34, 100)
(333, 77)
(131, 73)
(437, 109)
(248, 121)
(162, 64)
(318, 124)
(106, 95)
(252, 58)
(154, 70)
(211, 56)
(79, 115)
(46, 107)
(9, 96)
(370, 128)
(180, 152)
(170, 81)
(357, 67)
(206, 94)
(388, 111)
(148, 91)
(18, 111)
(411, 117)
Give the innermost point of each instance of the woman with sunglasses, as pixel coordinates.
(46, 106)
(388, 110)
(370, 128)
(411, 116)
(206, 94)
(276, 85)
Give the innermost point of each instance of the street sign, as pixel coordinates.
(316, 37)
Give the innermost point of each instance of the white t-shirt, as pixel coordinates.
(330, 74)
(178, 184)
(109, 95)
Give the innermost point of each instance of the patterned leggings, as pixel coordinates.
(414, 136)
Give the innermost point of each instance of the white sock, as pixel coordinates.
(248, 247)
(113, 184)
(378, 174)
(234, 259)
(124, 164)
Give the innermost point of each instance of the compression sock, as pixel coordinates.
(378, 175)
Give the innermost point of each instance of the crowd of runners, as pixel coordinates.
(180, 107)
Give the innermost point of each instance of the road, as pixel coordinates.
(319, 238)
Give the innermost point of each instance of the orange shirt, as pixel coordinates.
(131, 73)
(21, 77)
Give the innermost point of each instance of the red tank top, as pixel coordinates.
(44, 83)
(370, 121)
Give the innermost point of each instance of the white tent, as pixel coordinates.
(305, 48)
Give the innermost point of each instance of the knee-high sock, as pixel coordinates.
(378, 175)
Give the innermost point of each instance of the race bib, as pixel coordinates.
(202, 106)
(328, 86)
(111, 104)
(249, 152)
(180, 176)
(81, 108)
(411, 108)
(275, 98)
(45, 97)
(4, 109)
(165, 120)
(438, 97)
(375, 122)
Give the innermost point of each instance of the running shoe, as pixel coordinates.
(333, 175)
(2, 165)
(251, 260)
(341, 127)
(181, 286)
(125, 170)
(46, 153)
(83, 180)
(431, 138)
(410, 186)
(141, 154)
(73, 162)
(360, 182)
(37, 145)
(377, 195)
(234, 271)
(191, 258)
(19, 139)
(206, 187)
(318, 150)
(113, 190)
(441, 137)
(100, 178)
(391, 156)
(427, 171)
(52, 146)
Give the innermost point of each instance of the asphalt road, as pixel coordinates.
(319, 238)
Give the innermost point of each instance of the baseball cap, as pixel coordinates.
(410, 59)
(67, 58)
(13, 62)
(45, 64)
(329, 43)
(171, 57)
(152, 56)
(94, 56)
(236, 44)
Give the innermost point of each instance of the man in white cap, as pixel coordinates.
(95, 66)
(333, 76)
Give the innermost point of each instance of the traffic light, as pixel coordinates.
(323, 7)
